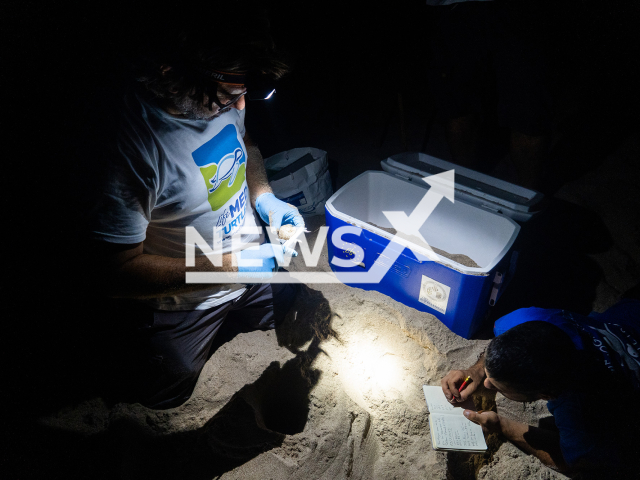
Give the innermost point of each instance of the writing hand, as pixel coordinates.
(454, 379)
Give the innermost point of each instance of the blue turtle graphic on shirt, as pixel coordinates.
(227, 169)
(222, 162)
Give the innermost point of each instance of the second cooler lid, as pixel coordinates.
(472, 187)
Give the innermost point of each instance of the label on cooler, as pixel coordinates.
(434, 294)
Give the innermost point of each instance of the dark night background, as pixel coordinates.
(62, 67)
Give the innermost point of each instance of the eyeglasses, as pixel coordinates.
(254, 92)
(259, 87)
(233, 100)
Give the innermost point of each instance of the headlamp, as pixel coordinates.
(259, 87)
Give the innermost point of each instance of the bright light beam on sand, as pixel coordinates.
(375, 368)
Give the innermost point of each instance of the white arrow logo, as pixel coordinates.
(408, 236)
(442, 185)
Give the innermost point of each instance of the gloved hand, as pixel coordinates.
(276, 212)
(265, 256)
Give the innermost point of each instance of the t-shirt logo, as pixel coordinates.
(222, 162)
(227, 169)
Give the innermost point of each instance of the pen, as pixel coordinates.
(466, 380)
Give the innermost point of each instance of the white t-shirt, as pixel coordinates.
(167, 174)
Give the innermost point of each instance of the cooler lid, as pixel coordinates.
(471, 187)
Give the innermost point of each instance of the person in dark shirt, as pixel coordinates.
(586, 367)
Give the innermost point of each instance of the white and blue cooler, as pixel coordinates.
(479, 224)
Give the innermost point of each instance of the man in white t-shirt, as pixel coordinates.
(183, 159)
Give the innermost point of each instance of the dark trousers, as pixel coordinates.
(167, 350)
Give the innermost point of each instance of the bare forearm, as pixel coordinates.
(256, 174)
(543, 444)
(150, 276)
(479, 365)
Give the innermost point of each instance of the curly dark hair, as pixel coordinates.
(532, 358)
(191, 44)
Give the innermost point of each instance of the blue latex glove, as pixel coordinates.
(267, 254)
(281, 213)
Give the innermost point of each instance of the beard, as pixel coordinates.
(193, 110)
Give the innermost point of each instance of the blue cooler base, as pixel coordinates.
(468, 298)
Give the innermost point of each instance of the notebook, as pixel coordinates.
(450, 429)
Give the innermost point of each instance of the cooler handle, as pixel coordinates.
(499, 281)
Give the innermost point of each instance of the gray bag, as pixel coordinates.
(301, 177)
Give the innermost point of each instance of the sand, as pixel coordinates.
(335, 391)
(460, 258)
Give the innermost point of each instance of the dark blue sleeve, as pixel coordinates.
(523, 315)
